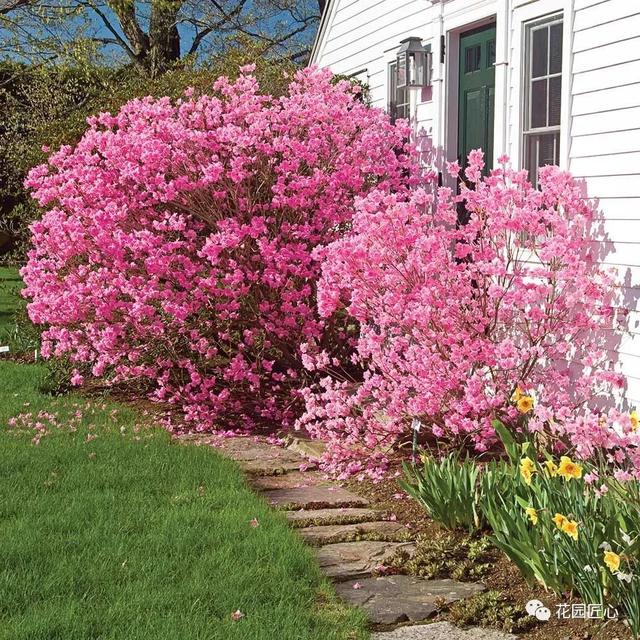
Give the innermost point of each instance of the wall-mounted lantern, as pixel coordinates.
(413, 67)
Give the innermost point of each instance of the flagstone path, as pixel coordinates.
(352, 541)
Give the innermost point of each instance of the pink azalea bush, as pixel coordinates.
(177, 246)
(455, 317)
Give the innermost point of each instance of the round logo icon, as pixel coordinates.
(537, 609)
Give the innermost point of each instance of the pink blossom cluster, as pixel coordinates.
(176, 252)
(460, 300)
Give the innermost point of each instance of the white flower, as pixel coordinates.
(626, 539)
(587, 567)
(624, 576)
(416, 425)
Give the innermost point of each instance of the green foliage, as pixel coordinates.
(45, 105)
(112, 531)
(548, 521)
(449, 555)
(544, 551)
(447, 489)
(491, 609)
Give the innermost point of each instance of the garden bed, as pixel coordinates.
(505, 610)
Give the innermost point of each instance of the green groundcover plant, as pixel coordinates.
(568, 525)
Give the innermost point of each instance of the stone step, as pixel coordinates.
(332, 533)
(312, 449)
(319, 517)
(442, 631)
(291, 480)
(350, 560)
(313, 498)
(397, 599)
(261, 458)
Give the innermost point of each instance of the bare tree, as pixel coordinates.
(154, 35)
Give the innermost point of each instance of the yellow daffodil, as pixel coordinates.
(635, 421)
(532, 515)
(525, 404)
(559, 520)
(612, 560)
(552, 468)
(517, 394)
(570, 527)
(569, 469)
(527, 469)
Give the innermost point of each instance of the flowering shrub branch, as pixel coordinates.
(177, 248)
(457, 318)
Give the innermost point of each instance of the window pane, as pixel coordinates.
(541, 150)
(555, 49)
(472, 59)
(391, 98)
(539, 52)
(546, 151)
(531, 152)
(539, 103)
(491, 53)
(555, 90)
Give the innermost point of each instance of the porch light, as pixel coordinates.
(413, 68)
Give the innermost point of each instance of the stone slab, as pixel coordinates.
(442, 631)
(313, 498)
(291, 480)
(396, 599)
(312, 449)
(261, 458)
(344, 515)
(350, 560)
(332, 533)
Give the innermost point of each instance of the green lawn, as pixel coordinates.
(10, 285)
(128, 536)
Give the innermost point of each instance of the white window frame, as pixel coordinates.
(393, 104)
(529, 132)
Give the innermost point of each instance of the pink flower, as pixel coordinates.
(357, 585)
(254, 523)
(622, 476)
(237, 615)
(591, 477)
(132, 279)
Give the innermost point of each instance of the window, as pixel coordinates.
(543, 90)
(398, 97)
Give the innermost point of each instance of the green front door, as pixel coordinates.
(477, 93)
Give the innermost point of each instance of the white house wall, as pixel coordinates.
(604, 145)
(600, 121)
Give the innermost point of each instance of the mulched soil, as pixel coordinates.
(503, 575)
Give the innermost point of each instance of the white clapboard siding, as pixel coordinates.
(604, 12)
(606, 144)
(360, 37)
(605, 165)
(364, 31)
(599, 100)
(604, 148)
(620, 208)
(605, 121)
(617, 75)
(609, 54)
(602, 34)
